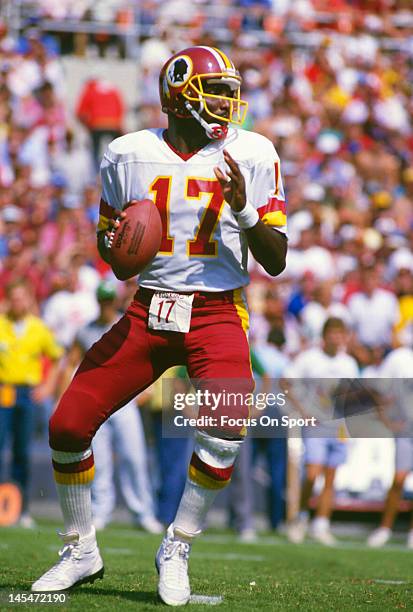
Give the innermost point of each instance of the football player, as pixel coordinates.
(219, 192)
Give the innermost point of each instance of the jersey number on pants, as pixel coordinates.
(202, 245)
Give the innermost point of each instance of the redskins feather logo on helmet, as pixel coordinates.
(182, 93)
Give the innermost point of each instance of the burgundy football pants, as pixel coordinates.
(130, 357)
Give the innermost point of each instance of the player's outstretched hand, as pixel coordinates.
(232, 183)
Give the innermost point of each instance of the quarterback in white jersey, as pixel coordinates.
(203, 246)
(219, 193)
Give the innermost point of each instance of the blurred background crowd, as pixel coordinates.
(330, 83)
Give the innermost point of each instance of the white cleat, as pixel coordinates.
(297, 530)
(379, 537)
(79, 562)
(323, 536)
(172, 564)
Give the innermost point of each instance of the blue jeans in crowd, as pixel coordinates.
(17, 423)
(275, 454)
(173, 457)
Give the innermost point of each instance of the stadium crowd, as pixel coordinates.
(329, 83)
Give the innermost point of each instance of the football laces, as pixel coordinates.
(111, 236)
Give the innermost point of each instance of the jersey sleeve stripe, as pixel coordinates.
(277, 176)
(277, 218)
(274, 212)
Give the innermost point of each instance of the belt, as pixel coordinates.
(201, 298)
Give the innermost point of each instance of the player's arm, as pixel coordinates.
(117, 187)
(268, 246)
(110, 208)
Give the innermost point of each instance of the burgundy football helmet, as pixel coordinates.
(181, 88)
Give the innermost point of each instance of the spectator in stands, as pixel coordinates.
(397, 416)
(374, 330)
(324, 444)
(69, 308)
(101, 110)
(317, 311)
(18, 264)
(25, 342)
(275, 314)
(172, 453)
(240, 491)
(52, 116)
(403, 285)
(72, 164)
(270, 445)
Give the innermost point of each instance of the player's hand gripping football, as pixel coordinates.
(233, 183)
(115, 223)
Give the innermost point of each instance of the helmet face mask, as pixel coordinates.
(195, 92)
(183, 87)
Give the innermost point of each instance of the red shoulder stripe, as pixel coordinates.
(273, 205)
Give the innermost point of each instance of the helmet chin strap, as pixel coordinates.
(214, 131)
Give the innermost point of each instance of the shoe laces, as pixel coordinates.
(67, 554)
(177, 553)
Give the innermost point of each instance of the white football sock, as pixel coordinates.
(210, 471)
(75, 498)
(193, 508)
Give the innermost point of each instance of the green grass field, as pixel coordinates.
(268, 575)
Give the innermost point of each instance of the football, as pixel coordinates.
(137, 240)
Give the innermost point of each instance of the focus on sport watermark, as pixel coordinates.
(343, 407)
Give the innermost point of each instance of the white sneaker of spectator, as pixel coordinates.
(323, 536)
(151, 525)
(26, 521)
(379, 537)
(297, 529)
(247, 535)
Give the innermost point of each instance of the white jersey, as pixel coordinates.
(316, 363)
(316, 394)
(397, 365)
(203, 248)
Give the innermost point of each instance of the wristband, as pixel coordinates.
(247, 217)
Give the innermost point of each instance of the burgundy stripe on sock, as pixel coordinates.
(208, 470)
(74, 468)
